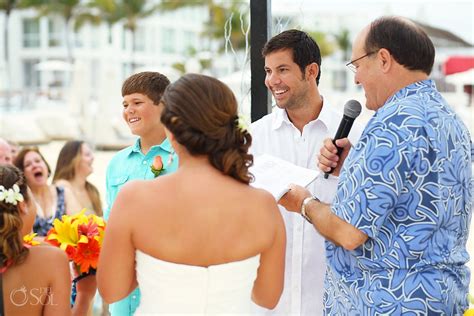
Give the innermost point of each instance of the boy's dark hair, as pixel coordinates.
(151, 84)
(304, 48)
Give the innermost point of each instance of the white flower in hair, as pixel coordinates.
(12, 195)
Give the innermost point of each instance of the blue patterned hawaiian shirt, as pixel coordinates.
(407, 185)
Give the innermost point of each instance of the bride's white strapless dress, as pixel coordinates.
(178, 289)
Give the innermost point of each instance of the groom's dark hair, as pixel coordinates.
(151, 84)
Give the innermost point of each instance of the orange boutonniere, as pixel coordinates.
(157, 167)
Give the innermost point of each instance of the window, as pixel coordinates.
(139, 39)
(188, 42)
(168, 43)
(31, 78)
(54, 33)
(31, 35)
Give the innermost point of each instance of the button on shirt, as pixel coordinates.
(130, 164)
(407, 185)
(305, 266)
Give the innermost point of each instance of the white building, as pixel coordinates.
(43, 83)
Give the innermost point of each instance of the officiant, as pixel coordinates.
(397, 229)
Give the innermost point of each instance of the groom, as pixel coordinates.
(141, 94)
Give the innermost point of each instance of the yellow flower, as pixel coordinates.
(80, 217)
(65, 232)
(97, 220)
(29, 239)
(470, 298)
(469, 312)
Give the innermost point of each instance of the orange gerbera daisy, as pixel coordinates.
(71, 252)
(87, 255)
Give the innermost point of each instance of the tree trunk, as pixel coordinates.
(67, 35)
(132, 53)
(110, 33)
(7, 60)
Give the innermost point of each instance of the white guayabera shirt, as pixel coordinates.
(305, 265)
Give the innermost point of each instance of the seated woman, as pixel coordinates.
(203, 240)
(36, 280)
(73, 167)
(53, 201)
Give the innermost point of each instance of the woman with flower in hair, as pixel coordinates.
(203, 240)
(35, 280)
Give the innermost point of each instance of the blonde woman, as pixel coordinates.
(73, 167)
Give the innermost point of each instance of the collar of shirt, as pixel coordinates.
(406, 91)
(281, 116)
(137, 148)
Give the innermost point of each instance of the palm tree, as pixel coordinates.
(107, 11)
(8, 6)
(68, 10)
(231, 24)
(132, 11)
(325, 45)
(344, 43)
(226, 22)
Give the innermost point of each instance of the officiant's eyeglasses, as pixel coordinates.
(353, 67)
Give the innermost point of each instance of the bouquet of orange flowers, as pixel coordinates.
(81, 237)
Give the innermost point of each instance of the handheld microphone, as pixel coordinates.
(352, 110)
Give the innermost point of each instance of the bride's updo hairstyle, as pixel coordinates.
(201, 112)
(12, 250)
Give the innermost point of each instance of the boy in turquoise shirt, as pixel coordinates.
(141, 94)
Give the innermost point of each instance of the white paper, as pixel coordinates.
(275, 175)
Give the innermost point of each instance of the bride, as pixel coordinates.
(200, 240)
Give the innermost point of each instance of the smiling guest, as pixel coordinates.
(72, 169)
(294, 132)
(5, 152)
(53, 201)
(142, 94)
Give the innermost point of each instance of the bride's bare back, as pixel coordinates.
(201, 217)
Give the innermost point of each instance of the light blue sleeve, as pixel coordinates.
(108, 192)
(127, 306)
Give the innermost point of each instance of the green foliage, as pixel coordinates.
(326, 46)
(343, 41)
(134, 10)
(228, 20)
(180, 67)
